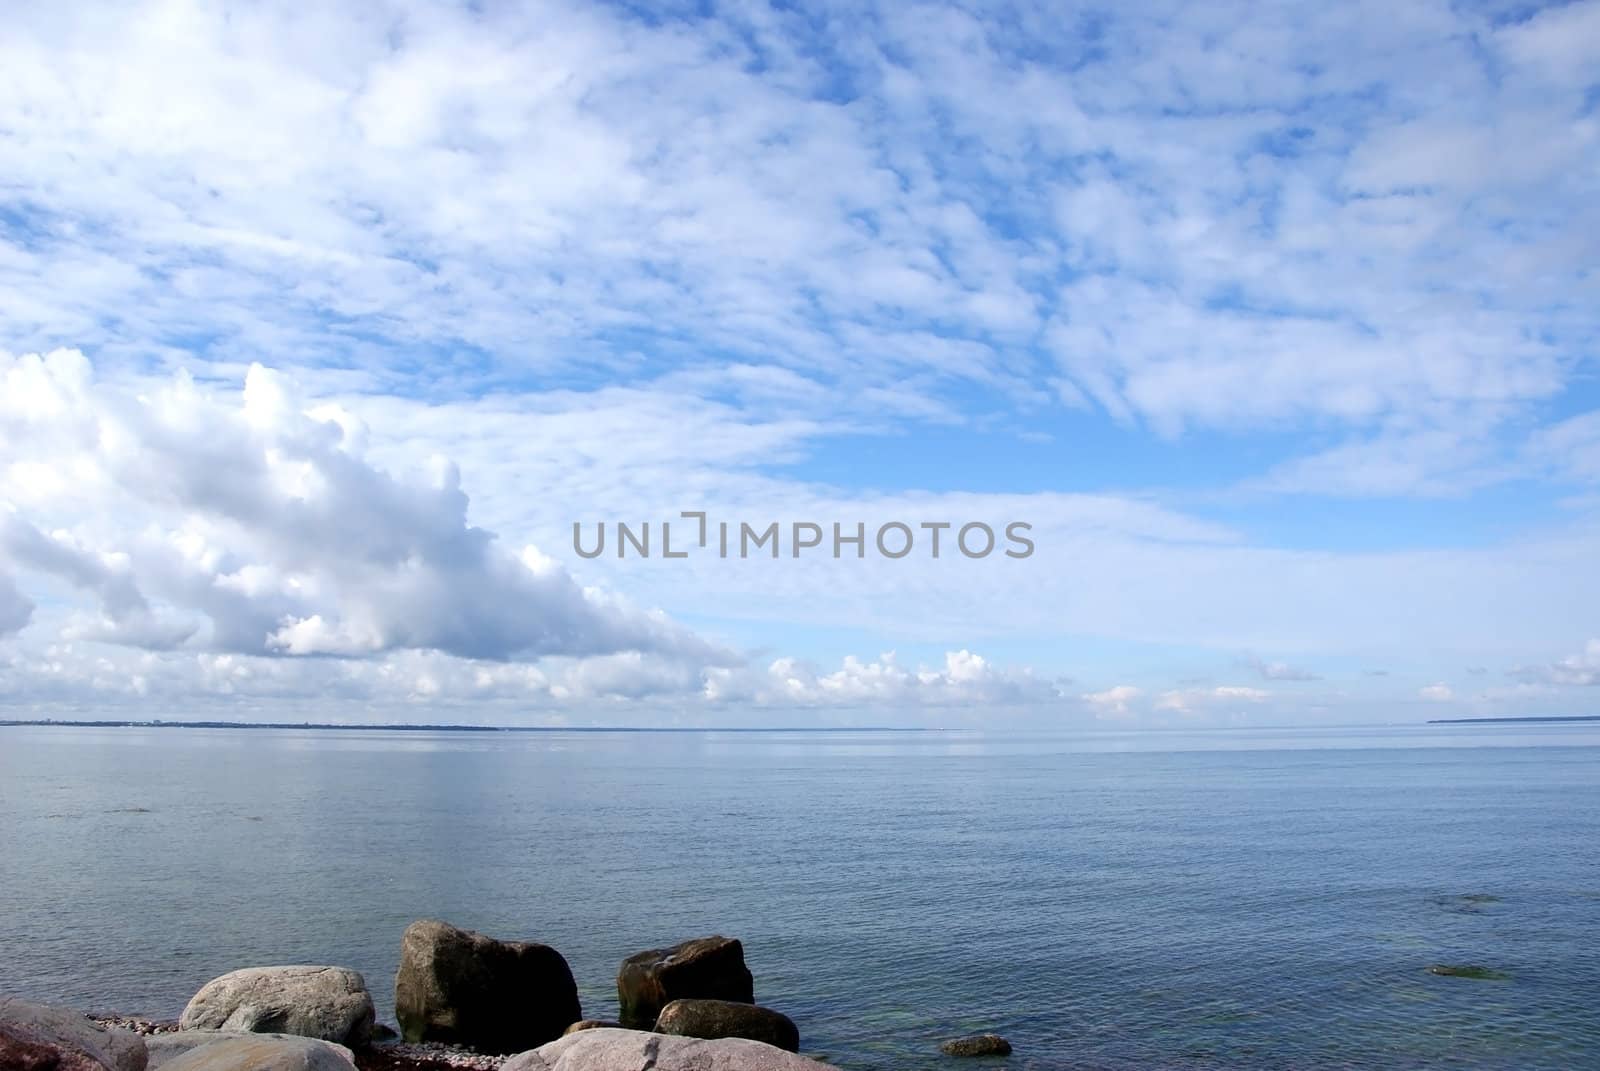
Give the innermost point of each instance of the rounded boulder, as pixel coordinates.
(41, 1037)
(261, 1053)
(461, 987)
(706, 968)
(711, 1019)
(326, 1003)
(636, 1050)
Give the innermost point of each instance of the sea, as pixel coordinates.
(1108, 901)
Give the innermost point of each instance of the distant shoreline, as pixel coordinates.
(1511, 721)
(413, 728)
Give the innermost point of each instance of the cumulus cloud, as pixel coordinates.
(262, 528)
(767, 233)
(1114, 702)
(964, 679)
(1193, 700)
(1438, 692)
(16, 609)
(1581, 669)
(125, 614)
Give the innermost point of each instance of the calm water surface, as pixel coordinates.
(1108, 901)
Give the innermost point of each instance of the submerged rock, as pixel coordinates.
(711, 1019)
(706, 968)
(497, 996)
(1467, 970)
(977, 1045)
(327, 1003)
(41, 1037)
(637, 1050)
(164, 1049)
(262, 1052)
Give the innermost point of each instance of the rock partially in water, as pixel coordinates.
(706, 968)
(1468, 970)
(261, 1052)
(164, 1049)
(41, 1037)
(712, 1019)
(590, 1024)
(977, 1045)
(637, 1050)
(496, 996)
(327, 1003)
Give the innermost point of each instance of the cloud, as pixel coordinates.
(1439, 692)
(891, 202)
(964, 679)
(1280, 671)
(1193, 700)
(1114, 702)
(125, 614)
(16, 609)
(262, 528)
(1581, 669)
(767, 239)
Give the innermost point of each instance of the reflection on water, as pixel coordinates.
(1228, 898)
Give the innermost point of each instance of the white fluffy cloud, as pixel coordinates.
(244, 546)
(1222, 697)
(618, 267)
(964, 679)
(1581, 669)
(16, 609)
(1115, 702)
(261, 528)
(1438, 692)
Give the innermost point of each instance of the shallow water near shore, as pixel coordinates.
(1226, 899)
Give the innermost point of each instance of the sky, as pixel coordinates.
(321, 327)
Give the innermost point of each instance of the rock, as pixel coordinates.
(977, 1045)
(383, 1032)
(165, 1048)
(636, 1050)
(590, 1024)
(328, 1003)
(260, 1052)
(707, 968)
(709, 1019)
(497, 996)
(1468, 970)
(39, 1037)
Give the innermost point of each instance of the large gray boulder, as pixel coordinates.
(165, 1048)
(40, 1037)
(728, 1019)
(637, 1050)
(496, 996)
(260, 1052)
(706, 968)
(328, 1003)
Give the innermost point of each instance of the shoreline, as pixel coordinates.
(380, 1054)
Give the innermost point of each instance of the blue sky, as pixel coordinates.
(1277, 324)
